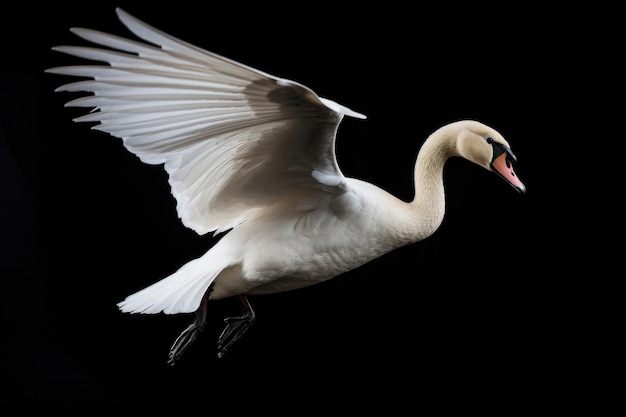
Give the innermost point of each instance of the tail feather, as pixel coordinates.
(180, 292)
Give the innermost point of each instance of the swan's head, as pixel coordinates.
(486, 147)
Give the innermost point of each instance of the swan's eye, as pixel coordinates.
(489, 139)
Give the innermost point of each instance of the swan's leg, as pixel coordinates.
(235, 326)
(191, 333)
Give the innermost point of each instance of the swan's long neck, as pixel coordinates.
(429, 201)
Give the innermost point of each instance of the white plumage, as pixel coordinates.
(254, 155)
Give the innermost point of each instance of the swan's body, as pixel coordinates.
(253, 155)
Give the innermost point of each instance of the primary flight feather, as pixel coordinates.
(253, 155)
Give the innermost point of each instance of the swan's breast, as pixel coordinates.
(316, 248)
(300, 263)
(289, 249)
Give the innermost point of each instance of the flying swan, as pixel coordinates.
(253, 155)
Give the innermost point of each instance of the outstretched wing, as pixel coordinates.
(232, 139)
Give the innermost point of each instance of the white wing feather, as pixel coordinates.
(232, 139)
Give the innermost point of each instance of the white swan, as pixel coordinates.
(254, 155)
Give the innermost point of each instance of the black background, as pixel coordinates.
(483, 315)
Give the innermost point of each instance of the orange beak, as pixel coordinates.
(502, 165)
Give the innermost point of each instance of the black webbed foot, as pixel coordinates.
(235, 327)
(189, 335)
